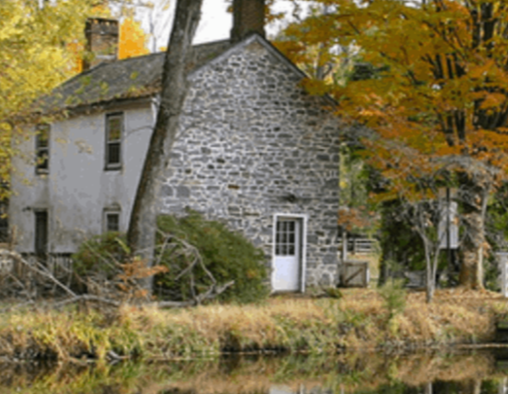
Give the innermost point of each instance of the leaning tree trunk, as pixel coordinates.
(474, 207)
(142, 225)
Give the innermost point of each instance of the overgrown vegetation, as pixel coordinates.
(356, 321)
(393, 294)
(193, 255)
(99, 255)
(228, 255)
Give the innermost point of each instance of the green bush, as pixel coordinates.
(227, 255)
(100, 254)
(394, 295)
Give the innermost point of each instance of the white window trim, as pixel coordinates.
(114, 166)
(303, 256)
(38, 149)
(109, 211)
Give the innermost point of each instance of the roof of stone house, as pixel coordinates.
(130, 78)
(139, 77)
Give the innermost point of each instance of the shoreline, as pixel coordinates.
(361, 319)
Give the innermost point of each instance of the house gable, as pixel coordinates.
(252, 39)
(252, 144)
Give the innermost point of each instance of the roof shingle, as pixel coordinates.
(130, 78)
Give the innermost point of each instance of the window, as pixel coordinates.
(286, 238)
(111, 220)
(41, 232)
(42, 149)
(114, 126)
(4, 222)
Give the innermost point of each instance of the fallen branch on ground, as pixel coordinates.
(124, 287)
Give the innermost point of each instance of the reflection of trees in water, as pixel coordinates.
(359, 373)
(177, 391)
(13, 374)
(438, 387)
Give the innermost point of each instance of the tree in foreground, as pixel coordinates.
(437, 101)
(142, 226)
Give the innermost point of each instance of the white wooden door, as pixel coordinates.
(286, 261)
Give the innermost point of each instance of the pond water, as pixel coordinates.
(471, 372)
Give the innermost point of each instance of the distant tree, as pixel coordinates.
(133, 39)
(322, 58)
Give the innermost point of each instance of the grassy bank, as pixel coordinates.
(359, 320)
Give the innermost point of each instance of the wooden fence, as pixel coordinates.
(34, 275)
(355, 274)
(58, 264)
(359, 246)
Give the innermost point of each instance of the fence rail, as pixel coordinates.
(360, 246)
(58, 264)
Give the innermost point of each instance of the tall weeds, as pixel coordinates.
(357, 320)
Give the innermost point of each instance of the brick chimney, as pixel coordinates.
(248, 18)
(101, 41)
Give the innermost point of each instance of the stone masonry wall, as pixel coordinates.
(251, 144)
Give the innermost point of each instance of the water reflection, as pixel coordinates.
(359, 373)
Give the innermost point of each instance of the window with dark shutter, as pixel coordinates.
(4, 222)
(42, 149)
(114, 129)
(41, 232)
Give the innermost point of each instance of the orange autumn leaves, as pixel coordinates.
(439, 85)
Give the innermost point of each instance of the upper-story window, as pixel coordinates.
(42, 149)
(114, 131)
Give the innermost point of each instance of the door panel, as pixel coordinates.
(286, 267)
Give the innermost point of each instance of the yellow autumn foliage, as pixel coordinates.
(40, 47)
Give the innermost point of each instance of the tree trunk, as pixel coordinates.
(471, 270)
(472, 386)
(142, 225)
(474, 205)
(431, 249)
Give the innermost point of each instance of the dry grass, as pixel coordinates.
(359, 320)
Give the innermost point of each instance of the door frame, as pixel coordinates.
(303, 244)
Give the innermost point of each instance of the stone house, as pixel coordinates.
(253, 150)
